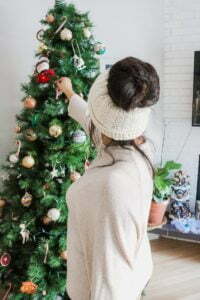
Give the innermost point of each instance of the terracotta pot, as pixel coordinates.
(157, 212)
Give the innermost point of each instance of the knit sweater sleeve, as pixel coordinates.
(117, 238)
(77, 110)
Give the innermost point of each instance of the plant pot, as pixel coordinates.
(157, 212)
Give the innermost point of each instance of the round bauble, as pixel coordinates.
(55, 130)
(42, 47)
(26, 200)
(2, 203)
(79, 136)
(30, 103)
(13, 158)
(46, 220)
(42, 65)
(87, 33)
(53, 214)
(28, 287)
(28, 162)
(45, 76)
(63, 255)
(5, 259)
(66, 34)
(74, 176)
(99, 48)
(50, 18)
(30, 135)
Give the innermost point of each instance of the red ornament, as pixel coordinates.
(5, 259)
(45, 76)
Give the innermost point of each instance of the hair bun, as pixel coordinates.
(133, 83)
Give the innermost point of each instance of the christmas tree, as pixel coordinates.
(52, 152)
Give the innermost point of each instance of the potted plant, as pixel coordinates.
(163, 181)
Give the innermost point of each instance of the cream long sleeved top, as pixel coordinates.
(109, 256)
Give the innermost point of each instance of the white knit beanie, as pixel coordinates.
(111, 120)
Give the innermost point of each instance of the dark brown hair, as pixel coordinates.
(132, 83)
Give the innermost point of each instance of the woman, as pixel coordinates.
(109, 256)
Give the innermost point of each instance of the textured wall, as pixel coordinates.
(182, 38)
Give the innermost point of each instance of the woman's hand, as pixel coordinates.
(64, 85)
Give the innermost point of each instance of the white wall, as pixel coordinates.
(131, 27)
(182, 38)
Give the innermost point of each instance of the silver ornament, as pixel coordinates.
(79, 136)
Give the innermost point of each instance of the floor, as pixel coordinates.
(176, 271)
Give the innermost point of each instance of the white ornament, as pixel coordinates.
(79, 136)
(25, 233)
(53, 214)
(14, 158)
(42, 65)
(66, 34)
(87, 33)
(55, 130)
(78, 62)
(54, 173)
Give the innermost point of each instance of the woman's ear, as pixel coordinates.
(140, 140)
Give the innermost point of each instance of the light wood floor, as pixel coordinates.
(176, 271)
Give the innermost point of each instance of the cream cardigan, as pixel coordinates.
(109, 256)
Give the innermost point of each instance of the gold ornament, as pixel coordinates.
(42, 47)
(50, 18)
(17, 129)
(28, 162)
(30, 135)
(2, 204)
(28, 287)
(87, 32)
(63, 255)
(66, 34)
(55, 130)
(74, 176)
(30, 103)
(26, 200)
(46, 220)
